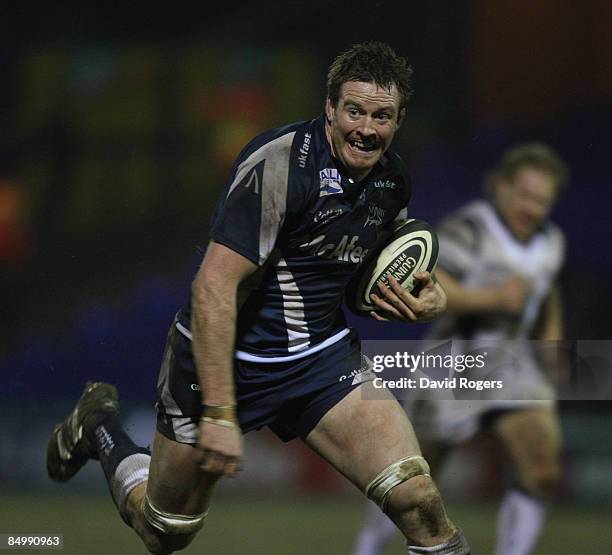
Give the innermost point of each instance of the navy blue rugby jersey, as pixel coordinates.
(290, 208)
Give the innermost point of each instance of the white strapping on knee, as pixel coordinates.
(170, 523)
(379, 489)
(130, 472)
(457, 545)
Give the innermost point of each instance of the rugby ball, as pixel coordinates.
(411, 248)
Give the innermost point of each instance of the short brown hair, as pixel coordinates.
(533, 155)
(370, 62)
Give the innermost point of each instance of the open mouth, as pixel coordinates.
(362, 147)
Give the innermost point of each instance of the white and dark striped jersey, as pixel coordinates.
(290, 208)
(479, 251)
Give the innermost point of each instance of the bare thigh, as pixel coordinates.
(360, 437)
(176, 483)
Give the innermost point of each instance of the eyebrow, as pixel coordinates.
(357, 104)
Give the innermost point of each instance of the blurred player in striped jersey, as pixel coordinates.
(499, 262)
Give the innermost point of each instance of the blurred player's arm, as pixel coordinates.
(213, 327)
(548, 332)
(510, 296)
(549, 326)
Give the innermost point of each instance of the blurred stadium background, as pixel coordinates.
(117, 129)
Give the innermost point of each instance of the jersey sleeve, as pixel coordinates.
(458, 245)
(252, 210)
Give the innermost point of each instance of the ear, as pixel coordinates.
(329, 110)
(401, 117)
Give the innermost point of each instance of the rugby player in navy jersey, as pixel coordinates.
(263, 341)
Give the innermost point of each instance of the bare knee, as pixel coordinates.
(162, 532)
(158, 542)
(542, 480)
(169, 512)
(417, 508)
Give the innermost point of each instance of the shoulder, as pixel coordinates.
(466, 224)
(395, 162)
(461, 236)
(397, 171)
(273, 143)
(271, 161)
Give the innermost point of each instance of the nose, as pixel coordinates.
(366, 129)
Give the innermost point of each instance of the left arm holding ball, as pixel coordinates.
(398, 304)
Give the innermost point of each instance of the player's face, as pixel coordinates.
(361, 126)
(525, 202)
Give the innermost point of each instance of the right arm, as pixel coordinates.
(213, 326)
(460, 236)
(248, 218)
(510, 296)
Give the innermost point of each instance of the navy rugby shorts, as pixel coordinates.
(288, 397)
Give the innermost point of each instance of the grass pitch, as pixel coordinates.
(296, 526)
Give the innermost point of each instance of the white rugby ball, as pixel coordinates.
(411, 248)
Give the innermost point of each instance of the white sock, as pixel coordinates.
(375, 533)
(519, 522)
(130, 472)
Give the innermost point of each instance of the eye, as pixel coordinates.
(353, 112)
(384, 116)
